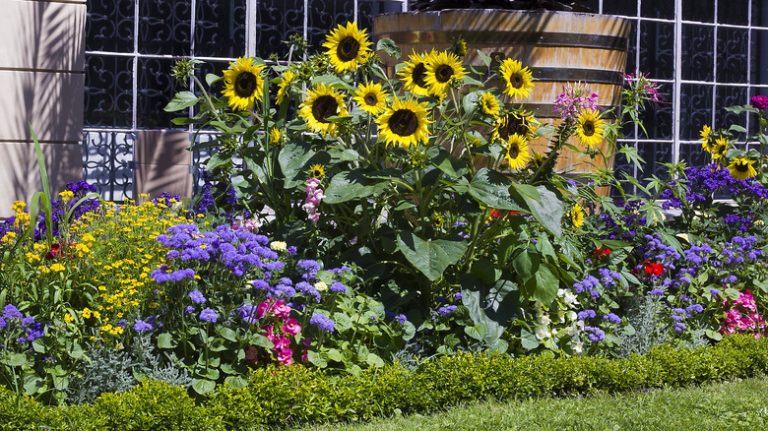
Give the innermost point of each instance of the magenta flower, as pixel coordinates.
(291, 326)
(759, 102)
(312, 202)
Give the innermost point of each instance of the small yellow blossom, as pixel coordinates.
(8, 238)
(66, 196)
(321, 286)
(57, 267)
(68, 318)
(86, 313)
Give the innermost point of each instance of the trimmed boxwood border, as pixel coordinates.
(280, 397)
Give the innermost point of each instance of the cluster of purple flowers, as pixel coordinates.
(323, 322)
(32, 329)
(627, 225)
(59, 208)
(704, 182)
(679, 315)
(589, 284)
(740, 250)
(167, 199)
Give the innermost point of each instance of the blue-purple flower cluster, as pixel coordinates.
(30, 329)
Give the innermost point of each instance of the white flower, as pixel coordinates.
(578, 347)
(543, 332)
(570, 299)
(571, 315)
(544, 319)
(278, 246)
(321, 286)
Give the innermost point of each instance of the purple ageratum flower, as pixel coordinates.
(714, 291)
(656, 292)
(197, 297)
(446, 310)
(190, 309)
(586, 314)
(695, 308)
(612, 318)
(594, 334)
(141, 326)
(401, 318)
(10, 312)
(457, 296)
(2, 324)
(759, 101)
(209, 315)
(163, 275)
(679, 327)
(323, 322)
(337, 287)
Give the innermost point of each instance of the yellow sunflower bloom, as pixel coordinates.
(705, 133)
(283, 84)
(518, 79)
(316, 171)
(243, 84)
(348, 47)
(371, 98)
(742, 168)
(414, 73)
(518, 155)
(490, 105)
(577, 215)
(590, 128)
(442, 69)
(718, 148)
(322, 102)
(274, 136)
(404, 123)
(520, 122)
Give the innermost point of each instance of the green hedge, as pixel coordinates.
(277, 397)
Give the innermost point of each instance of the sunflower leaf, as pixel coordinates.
(491, 189)
(181, 100)
(430, 257)
(389, 47)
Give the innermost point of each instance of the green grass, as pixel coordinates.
(730, 406)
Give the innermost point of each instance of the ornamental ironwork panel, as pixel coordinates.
(108, 91)
(108, 162)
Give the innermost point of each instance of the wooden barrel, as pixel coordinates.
(42, 79)
(559, 47)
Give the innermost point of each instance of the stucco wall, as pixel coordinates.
(41, 83)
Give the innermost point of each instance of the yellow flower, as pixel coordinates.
(86, 313)
(589, 128)
(371, 98)
(414, 73)
(404, 123)
(742, 168)
(577, 215)
(719, 148)
(68, 318)
(274, 136)
(517, 153)
(283, 84)
(705, 133)
(347, 46)
(316, 171)
(278, 246)
(321, 286)
(243, 84)
(66, 196)
(517, 79)
(57, 267)
(322, 102)
(18, 206)
(32, 257)
(8, 238)
(87, 238)
(442, 69)
(489, 104)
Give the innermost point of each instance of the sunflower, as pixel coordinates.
(282, 85)
(316, 171)
(442, 68)
(577, 215)
(414, 73)
(705, 133)
(348, 47)
(489, 104)
(404, 123)
(521, 122)
(243, 84)
(371, 98)
(321, 103)
(518, 154)
(274, 136)
(589, 127)
(742, 168)
(718, 148)
(518, 79)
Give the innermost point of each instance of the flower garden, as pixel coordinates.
(373, 240)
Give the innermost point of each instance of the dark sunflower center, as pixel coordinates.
(513, 151)
(348, 48)
(588, 128)
(741, 167)
(324, 107)
(516, 80)
(245, 84)
(403, 122)
(512, 125)
(443, 73)
(418, 75)
(370, 99)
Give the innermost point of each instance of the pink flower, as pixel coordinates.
(285, 356)
(262, 309)
(291, 326)
(281, 310)
(280, 343)
(759, 102)
(312, 202)
(573, 99)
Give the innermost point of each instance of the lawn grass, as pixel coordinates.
(741, 405)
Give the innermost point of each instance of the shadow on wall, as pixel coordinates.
(42, 79)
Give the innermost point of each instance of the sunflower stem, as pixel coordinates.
(207, 97)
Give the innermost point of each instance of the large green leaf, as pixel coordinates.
(491, 189)
(182, 100)
(543, 205)
(347, 186)
(431, 257)
(293, 157)
(543, 285)
(484, 329)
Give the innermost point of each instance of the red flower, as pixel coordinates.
(601, 252)
(54, 252)
(494, 214)
(655, 269)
